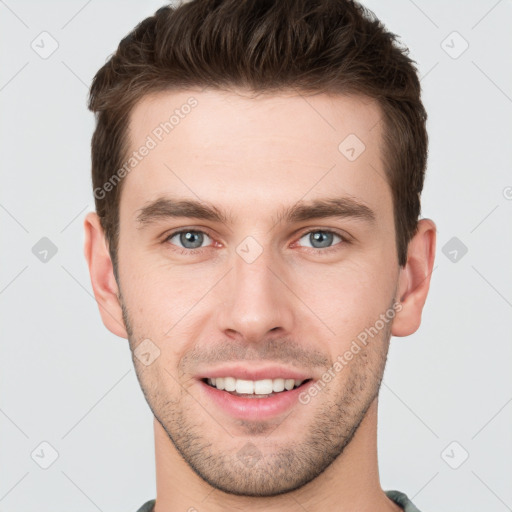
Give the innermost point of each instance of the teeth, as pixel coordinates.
(245, 386)
(252, 387)
(229, 384)
(263, 387)
(278, 385)
(289, 383)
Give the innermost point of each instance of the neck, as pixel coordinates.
(350, 483)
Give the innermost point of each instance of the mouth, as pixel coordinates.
(253, 400)
(254, 388)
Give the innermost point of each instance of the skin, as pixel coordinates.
(296, 304)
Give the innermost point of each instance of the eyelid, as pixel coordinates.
(167, 236)
(345, 238)
(342, 234)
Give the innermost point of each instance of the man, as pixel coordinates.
(257, 169)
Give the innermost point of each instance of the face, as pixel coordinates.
(253, 246)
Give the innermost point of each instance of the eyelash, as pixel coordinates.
(327, 250)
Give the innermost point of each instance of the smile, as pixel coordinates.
(254, 388)
(252, 400)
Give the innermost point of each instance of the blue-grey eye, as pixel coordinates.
(189, 239)
(320, 239)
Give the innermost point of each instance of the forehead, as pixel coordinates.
(238, 149)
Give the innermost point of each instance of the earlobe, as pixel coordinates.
(414, 280)
(101, 272)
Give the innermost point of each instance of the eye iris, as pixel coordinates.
(322, 238)
(191, 237)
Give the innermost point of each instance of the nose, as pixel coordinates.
(256, 301)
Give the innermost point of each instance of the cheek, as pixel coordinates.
(347, 298)
(157, 288)
(162, 305)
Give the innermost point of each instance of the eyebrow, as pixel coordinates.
(342, 207)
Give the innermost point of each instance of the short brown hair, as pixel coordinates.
(264, 46)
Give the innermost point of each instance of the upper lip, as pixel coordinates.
(242, 371)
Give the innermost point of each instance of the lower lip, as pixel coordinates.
(253, 408)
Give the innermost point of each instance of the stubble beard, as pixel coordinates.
(248, 469)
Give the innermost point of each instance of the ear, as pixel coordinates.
(414, 279)
(102, 276)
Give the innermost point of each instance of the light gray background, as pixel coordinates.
(67, 381)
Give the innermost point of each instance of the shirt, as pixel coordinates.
(398, 497)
